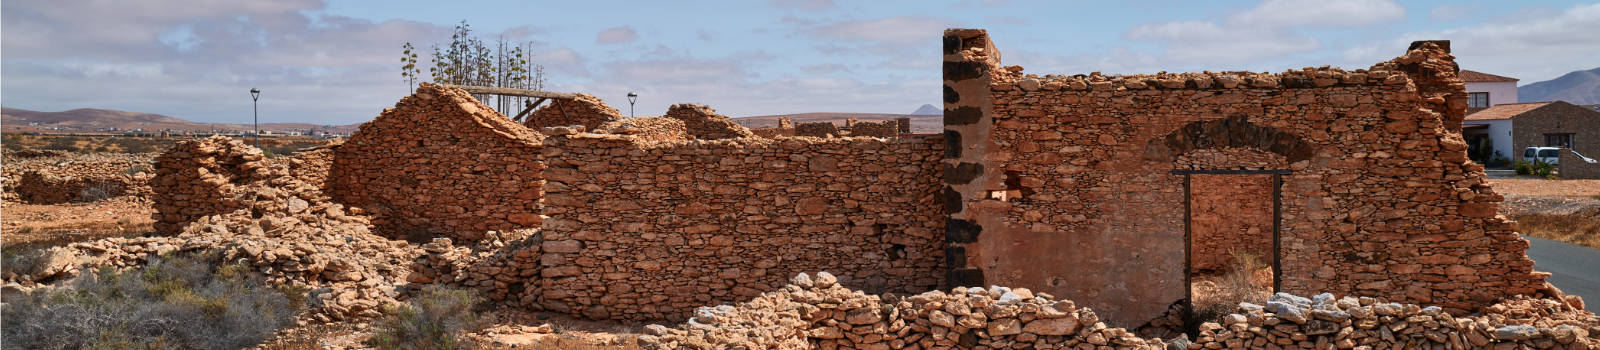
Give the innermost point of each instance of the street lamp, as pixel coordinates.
(255, 112)
(631, 97)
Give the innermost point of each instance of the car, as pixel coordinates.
(1547, 155)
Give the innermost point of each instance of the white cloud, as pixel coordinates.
(616, 35)
(898, 30)
(1266, 31)
(1531, 48)
(1321, 13)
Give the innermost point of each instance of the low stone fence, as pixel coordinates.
(816, 312)
(1574, 167)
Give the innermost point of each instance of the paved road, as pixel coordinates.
(1574, 268)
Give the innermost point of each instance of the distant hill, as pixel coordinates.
(1579, 88)
(928, 110)
(921, 124)
(89, 119)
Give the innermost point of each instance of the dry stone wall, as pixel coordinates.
(704, 123)
(817, 129)
(586, 110)
(1378, 198)
(1574, 167)
(1230, 218)
(201, 178)
(650, 230)
(649, 128)
(440, 164)
(886, 128)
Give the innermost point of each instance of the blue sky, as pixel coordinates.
(334, 62)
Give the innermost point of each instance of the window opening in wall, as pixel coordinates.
(1232, 220)
(1558, 140)
(1478, 99)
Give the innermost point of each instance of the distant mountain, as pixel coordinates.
(89, 119)
(928, 110)
(1579, 88)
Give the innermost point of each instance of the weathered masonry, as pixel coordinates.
(1108, 190)
(1048, 177)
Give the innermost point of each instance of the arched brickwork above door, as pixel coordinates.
(1234, 132)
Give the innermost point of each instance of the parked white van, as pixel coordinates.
(1547, 155)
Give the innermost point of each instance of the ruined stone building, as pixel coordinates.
(1107, 190)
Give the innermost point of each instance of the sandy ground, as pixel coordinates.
(22, 223)
(1562, 188)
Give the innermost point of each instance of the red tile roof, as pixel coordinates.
(1505, 111)
(1473, 77)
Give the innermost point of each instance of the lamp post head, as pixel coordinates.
(255, 94)
(632, 97)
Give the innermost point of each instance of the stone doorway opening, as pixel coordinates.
(1232, 220)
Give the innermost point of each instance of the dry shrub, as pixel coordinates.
(181, 302)
(1577, 228)
(436, 319)
(1247, 279)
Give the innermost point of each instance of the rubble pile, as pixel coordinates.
(261, 216)
(704, 123)
(817, 312)
(61, 177)
(503, 265)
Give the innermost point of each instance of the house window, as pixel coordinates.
(1478, 99)
(1558, 140)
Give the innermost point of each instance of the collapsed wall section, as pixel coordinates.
(440, 164)
(704, 123)
(1378, 198)
(204, 177)
(651, 230)
(586, 110)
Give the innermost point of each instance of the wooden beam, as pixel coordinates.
(485, 90)
(528, 107)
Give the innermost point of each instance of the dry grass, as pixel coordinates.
(1579, 228)
(1248, 279)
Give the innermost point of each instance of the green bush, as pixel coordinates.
(181, 302)
(434, 320)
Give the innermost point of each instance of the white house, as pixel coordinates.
(1483, 91)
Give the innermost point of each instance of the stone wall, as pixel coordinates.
(650, 128)
(817, 129)
(1572, 167)
(886, 128)
(441, 164)
(818, 313)
(196, 179)
(1378, 198)
(53, 176)
(1230, 216)
(586, 110)
(704, 123)
(650, 230)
